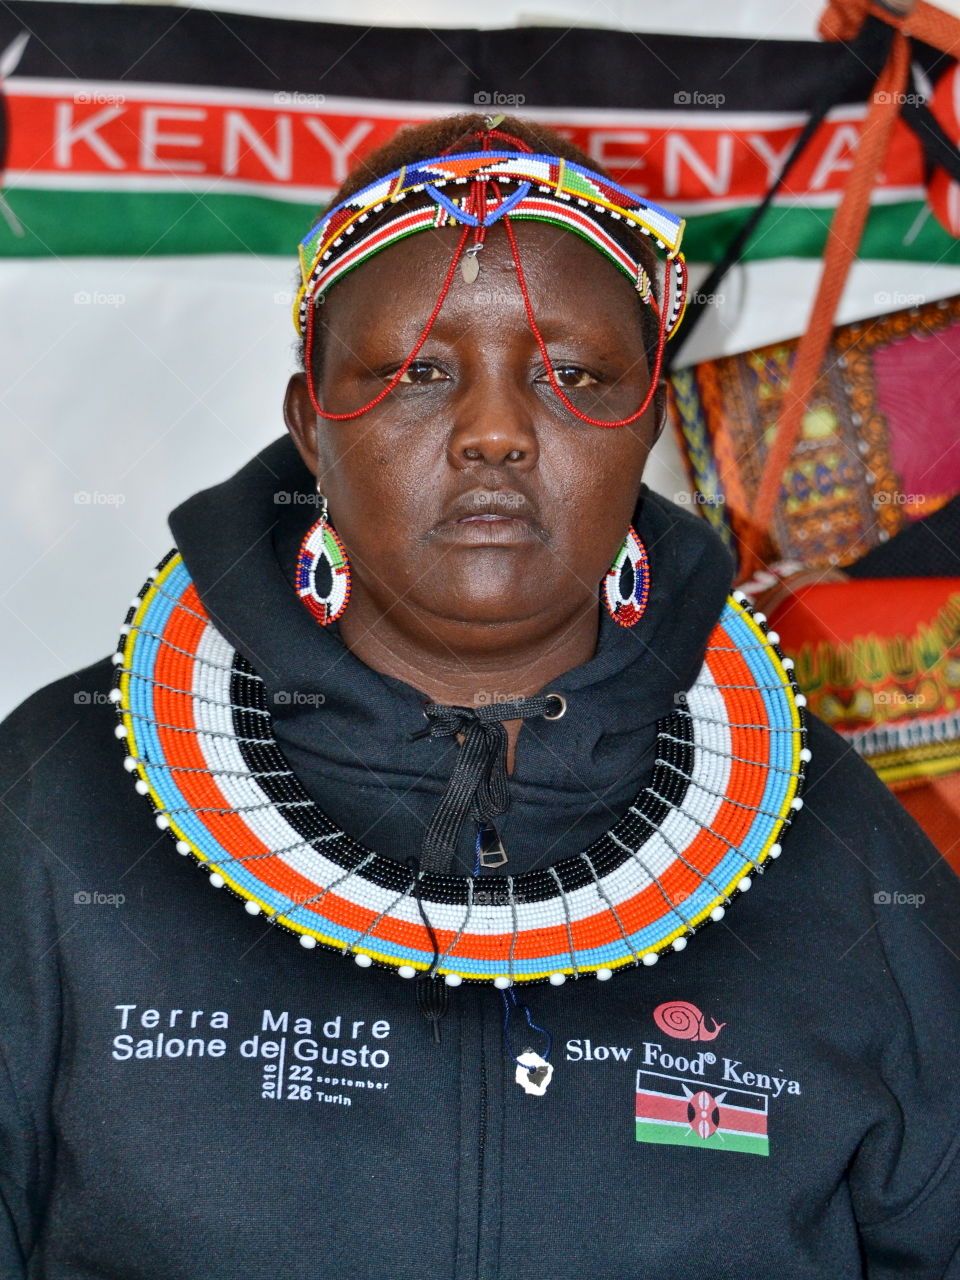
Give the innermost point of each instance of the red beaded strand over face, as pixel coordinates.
(445, 289)
(566, 192)
(535, 329)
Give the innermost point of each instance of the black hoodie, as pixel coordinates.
(184, 1092)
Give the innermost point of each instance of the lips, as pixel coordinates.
(489, 515)
(508, 504)
(498, 516)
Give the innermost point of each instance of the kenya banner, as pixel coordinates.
(153, 130)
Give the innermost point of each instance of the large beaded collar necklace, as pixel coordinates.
(197, 734)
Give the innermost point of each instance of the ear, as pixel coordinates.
(301, 420)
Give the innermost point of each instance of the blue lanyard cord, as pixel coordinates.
(510, 1003)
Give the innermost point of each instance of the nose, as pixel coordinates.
(493, 427)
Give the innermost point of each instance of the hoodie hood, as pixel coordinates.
(346, 729)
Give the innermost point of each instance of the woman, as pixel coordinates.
(467, 720)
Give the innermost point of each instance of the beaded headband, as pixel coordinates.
(546, 189)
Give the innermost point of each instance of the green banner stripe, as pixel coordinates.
(677, 1135)
(134, 223)
(67, 222)
(801, 232)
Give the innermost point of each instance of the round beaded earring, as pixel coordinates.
(323, 571)
(626, 587)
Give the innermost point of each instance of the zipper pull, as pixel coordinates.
(491, 852)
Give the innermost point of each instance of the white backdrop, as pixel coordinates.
(111, 413)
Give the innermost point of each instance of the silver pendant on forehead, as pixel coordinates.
(470, 263)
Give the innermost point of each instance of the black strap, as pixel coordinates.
(737, 246)
(936, 143)
(432, 1000)
(478, 788)
(478, 785)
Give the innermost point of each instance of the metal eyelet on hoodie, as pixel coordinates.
(562, 709)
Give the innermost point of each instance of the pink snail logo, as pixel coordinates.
(684, 1021)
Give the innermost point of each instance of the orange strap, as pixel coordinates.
(842, 20)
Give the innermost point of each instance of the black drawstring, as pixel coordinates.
(477, 788)
(478, 785)
(432, 996)
(432, 1001)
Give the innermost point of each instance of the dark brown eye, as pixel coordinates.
(571, 377)
(422, 371)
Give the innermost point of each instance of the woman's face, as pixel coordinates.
(470, 493)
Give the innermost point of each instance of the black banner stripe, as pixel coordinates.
(549, 66)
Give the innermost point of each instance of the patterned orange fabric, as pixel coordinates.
(879, 660)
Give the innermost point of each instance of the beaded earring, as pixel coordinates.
(323, 571)
(626, 586)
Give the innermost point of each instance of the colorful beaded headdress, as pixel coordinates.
(478, 189)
